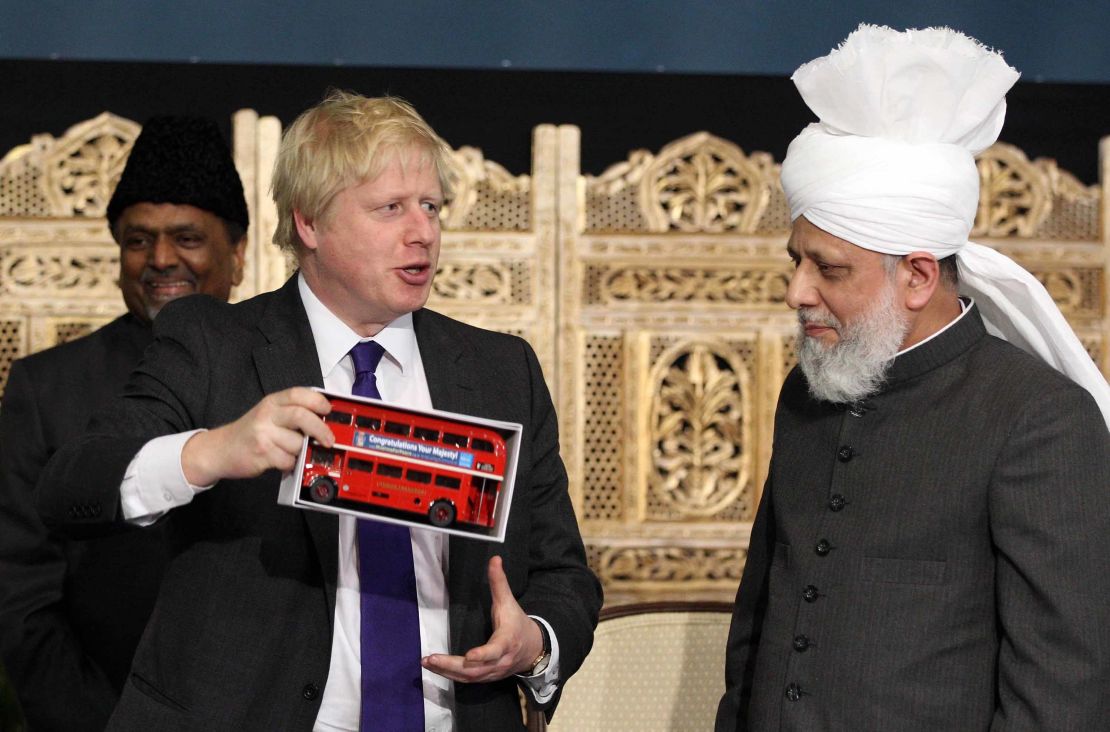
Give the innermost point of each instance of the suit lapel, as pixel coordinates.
(289, 359)
(450, 367)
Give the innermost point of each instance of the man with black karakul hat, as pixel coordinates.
(72, 612)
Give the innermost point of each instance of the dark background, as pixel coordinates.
(495, 110)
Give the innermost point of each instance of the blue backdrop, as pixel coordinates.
(1063, 40)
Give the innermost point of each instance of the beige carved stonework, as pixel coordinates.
(703, 183)
(1014, 196)
(75, 174)
(640, 571)
(653, 294)
(498, 260)
(685, 284)
(484, 196)
(489, 282)
(698, 393)
(1023, 199)
(700, 183)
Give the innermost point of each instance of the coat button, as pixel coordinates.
(856, 410)
(310, 692)
(793, 692)
(845, 453)
(801, 643)
(837, 502)
(823, 548)
(809, 594)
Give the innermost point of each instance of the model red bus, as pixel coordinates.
(445, 469)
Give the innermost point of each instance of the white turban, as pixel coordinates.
(891, 168)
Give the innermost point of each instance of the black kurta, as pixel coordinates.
(932, 559)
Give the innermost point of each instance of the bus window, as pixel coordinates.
(419, 476)
(366, 466)
(483, 445)
(454, 440)
(338, 417)
(370, 423)
(426, 434)
(446, 481)
(482, 484)
(397, 428)
(322, 456)
(389, 471)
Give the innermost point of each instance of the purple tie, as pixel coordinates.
(392, 694)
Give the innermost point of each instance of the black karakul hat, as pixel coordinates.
(181, 160)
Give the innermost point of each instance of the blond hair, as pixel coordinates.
(343, 141)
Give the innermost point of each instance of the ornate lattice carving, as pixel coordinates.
(603, 438)
(704, 183)
(1013, 195)
(1077, 291)
(660, 284)
(75, 174)
(11, 347)
(672, 567)
(611, 201)
(776, 216)
(65, 272)
(474, 281)
(21, 192)
(699, 406)
(1074, 213)
(65, 331)
(485, 196)
(789, 353)
(699, 183)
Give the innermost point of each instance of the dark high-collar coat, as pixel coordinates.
(933, 559)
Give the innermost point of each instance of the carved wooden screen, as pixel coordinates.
(1055, 227)
(676, 339)
(59, 264)
(497, 265)
(653, 295)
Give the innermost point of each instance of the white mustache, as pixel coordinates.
(809, 316)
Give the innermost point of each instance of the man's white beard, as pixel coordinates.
(855, 366)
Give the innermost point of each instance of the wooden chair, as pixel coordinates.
(654, 666)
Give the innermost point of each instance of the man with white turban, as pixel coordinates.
(930, 552)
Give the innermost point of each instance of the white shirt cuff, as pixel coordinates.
(154, 481)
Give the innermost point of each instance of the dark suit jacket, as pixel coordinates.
(935, 560)
(71, 612)
(241, 635)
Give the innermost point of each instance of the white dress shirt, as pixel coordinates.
(154, 483)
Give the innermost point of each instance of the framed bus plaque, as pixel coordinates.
(425, 468)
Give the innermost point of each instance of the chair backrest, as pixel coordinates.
(654, 666)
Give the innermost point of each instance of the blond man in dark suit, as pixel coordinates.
(258, 625)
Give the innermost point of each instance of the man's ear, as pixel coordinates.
(306, 229)
(921, 277)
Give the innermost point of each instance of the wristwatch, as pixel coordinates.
(540, 664)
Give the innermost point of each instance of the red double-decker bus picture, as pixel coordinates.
(447, 470)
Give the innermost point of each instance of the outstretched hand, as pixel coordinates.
(515, 644)
(268, 436)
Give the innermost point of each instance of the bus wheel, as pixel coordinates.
(441, 514)
(322, 489)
